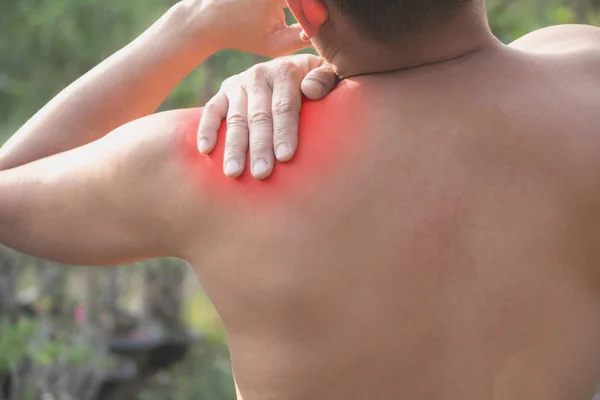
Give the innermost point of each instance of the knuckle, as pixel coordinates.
(259, 90)
(282, 135)
(260, 117)
(285, 68)
(283, 106)
(231, 84)
(210, 107)
(237, 119)
(227, 83)
(258, 72)
(234, 148)
(258, 146)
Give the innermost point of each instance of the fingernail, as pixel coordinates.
(232, 167)
(282, 151)
(259, 167)
(203, 145)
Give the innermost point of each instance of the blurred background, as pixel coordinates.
(147, 330)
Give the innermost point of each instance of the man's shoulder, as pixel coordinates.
(346, 94)
(576, 46)
(342, 112)
(576, 39)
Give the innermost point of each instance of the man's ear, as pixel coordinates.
(311, 14)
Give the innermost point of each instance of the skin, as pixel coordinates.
(262, 109)
(435, 236)
(132, 83)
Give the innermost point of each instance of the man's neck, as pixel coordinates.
(469, 33)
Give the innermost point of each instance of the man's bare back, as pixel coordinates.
(450, 252)
(434, 237)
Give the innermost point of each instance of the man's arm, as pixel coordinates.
(128, 85)
(133, 82)
(123, 198)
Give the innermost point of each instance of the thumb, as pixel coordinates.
(319, 82)
(286, 40)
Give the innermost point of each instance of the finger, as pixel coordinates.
(214, 113)
(287, 102)
(287, 40)
(319, 82)
(236, 140)
(260, 122)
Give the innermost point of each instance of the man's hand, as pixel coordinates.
(254, 26)
(262, 108)
(136, 80)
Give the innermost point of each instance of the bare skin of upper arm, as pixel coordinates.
(144, 191)
(120, 199)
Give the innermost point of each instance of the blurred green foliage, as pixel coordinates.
(46, 44)
(14, 346)
(21, 341)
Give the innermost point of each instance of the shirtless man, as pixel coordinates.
(435, 236)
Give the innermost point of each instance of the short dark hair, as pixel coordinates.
(384, 20)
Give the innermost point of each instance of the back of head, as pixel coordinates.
(386, 20)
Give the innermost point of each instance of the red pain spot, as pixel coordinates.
(327, 140)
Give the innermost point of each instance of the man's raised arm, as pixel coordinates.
(134, 82)
(71, 194)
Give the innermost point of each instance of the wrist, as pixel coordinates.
(191, 31)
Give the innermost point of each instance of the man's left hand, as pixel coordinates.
(262, 109)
